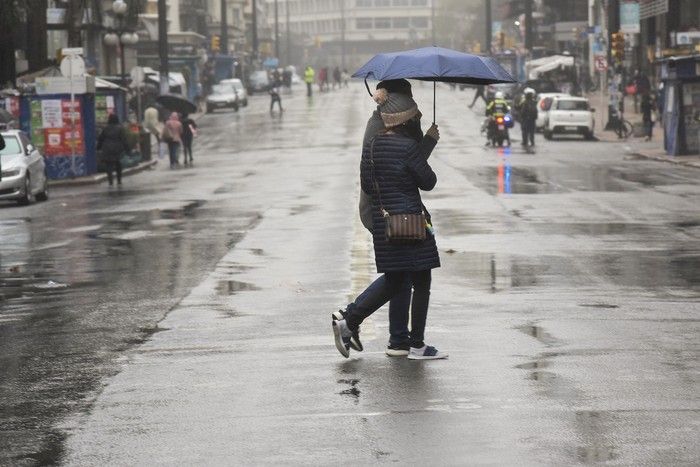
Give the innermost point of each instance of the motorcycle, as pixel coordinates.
(496, 128)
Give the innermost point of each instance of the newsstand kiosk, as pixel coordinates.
(63, 129)
(681, 105)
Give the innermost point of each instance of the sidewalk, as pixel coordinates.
(653, 149)
(101, 176)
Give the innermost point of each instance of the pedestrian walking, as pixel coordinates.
(345, 77)
(479, 93)
(189, 132)
(527, 108)
(336, 77)
(172, 136)
(322, 77)
(399, 335)
(274, 91)
(647, 108)
(309, 75)
(393, 169)
(113, 144)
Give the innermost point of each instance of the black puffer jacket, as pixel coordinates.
(112, 141)
(401, 172)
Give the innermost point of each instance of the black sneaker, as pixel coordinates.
(398, 350)
(355, 343)
(342, 337)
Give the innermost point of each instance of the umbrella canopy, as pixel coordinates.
(435, 64)
(176, 103)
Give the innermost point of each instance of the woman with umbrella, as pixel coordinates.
(172, 136)
(393, 171)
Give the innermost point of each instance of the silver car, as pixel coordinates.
(22, 170)
(222, 96)
(240, 90)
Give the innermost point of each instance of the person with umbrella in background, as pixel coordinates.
(393, 168)
(189, 132)
(399, 335)
(172, 136)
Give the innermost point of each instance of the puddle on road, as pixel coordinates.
(540, 334)
(233, 287)
(353, 392)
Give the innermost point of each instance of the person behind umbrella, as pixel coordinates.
(393, 159)
(399, 335)
(528, 116)
(113, 143)
(189, 131)
(172, 136)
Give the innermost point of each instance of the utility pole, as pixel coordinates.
(255, 30)
(277, 34)
(163, 47)
(342, 33)
(224, 28)
(489, 33)
(528, 25)
(289, 37)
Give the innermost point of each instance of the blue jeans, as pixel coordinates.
(398, 308)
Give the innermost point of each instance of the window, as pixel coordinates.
(363, 23)
(401, 2)
(11, 146)
(382, 23)
(380, 3)
(363, 3)
(419, 2)
(572, 105)
(419, 23)
(401, 23)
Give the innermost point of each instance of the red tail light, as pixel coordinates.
(499, 120)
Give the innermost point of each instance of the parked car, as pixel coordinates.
(570, 115)
(240, 90)
(544, 102)
(258, 81)
(23, 170)
(508, 90)
(222, 96)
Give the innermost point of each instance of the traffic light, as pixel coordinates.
(501, 39)
(318, 42)
(215, 44)
(617, 50)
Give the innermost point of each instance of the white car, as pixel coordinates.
(569, 115)
(22, 170)
(240, 90)
(222, 96)
(544, 102)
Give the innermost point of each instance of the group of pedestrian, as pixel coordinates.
(179, 131)
(394, 169)
(327, 79)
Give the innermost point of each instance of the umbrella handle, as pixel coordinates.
(434, 84)
(367, 86)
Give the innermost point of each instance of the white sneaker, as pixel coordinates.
(425, 353)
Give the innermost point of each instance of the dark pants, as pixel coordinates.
(275, 98)
(309, 89)
(648, 126)
(174, 149)
(528, 129)
(114, 166)
(187, 149)
(398, 308)
(394, 281)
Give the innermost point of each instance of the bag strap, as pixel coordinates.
(374, 180)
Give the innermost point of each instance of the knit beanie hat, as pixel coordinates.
(396, 85)
(395, 108)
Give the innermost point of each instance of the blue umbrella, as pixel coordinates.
(434, 64)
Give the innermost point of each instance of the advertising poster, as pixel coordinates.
(58, 141)
(51, 116)
(36, 123)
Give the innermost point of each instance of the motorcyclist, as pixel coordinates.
(498, 107)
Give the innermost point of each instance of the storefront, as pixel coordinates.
(681, 105)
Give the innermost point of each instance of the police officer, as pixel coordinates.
(498, 107)
(527, 107)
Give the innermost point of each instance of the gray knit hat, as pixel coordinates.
(395, 108)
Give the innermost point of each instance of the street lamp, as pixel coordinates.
(121, 36)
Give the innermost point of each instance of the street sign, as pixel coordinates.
(72, 66)
(601, 63)
(72, 51)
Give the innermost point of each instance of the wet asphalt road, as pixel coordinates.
(184, 320)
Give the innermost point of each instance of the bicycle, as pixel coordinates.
(622, 127)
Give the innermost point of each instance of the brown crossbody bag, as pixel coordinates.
(403, 229)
